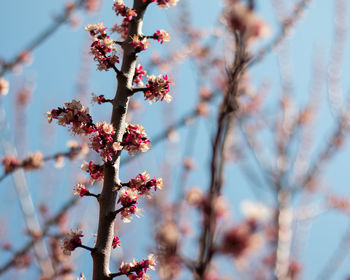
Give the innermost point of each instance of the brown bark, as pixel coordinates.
(107, 199)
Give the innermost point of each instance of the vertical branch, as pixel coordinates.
(227, 109)
(284, 236)
(107, 200)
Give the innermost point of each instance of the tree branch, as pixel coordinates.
(107, 201)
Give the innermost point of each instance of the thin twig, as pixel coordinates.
(68, 154)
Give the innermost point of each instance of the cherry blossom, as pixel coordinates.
(128, 199)
(95, 170)
(158, 88)
(139, 44)
(139, 73)
(135, 139)
(99, 99)
(103, 48)
(124, 11)
(240, 18)
(4, 86)
(161, 36)
(143, 184)
(101, 141)
(116, 242)
(71, 241)
(74, 114)
(137, 270)
(163, 3)
(10, 163)
(81, 190)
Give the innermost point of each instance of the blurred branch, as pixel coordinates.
(284, 221)
(267, 173)
(42, 37)
(176, 125)
(331, 148)
(226, 115)
(48, 224)
(335, 92)
(70, 154)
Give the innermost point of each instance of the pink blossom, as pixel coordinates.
(163, 3)
(135, 139)
(137, 270)
(33, 161)
(95, 170)
(121, 29)
(91, 6)
(158, 88)
(101, 141)
(195, 197)
(161, 36)
(10, 163)
(81, 190)
(240, 18)
(71, 241)
(143, 184)
(4, 86)
(124, 11)
(99, 99)
(128, 199)
(103, 48)
(139, 73)
(138, 43)
(73, 114)
(240, 239)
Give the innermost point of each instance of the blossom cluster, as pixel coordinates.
(196, 197)
(164, 3)
(241, 239)
(135, 139)
(120, 9)
(136, 187)
(92, 6)
(116, 242)
(161, 36)
(127, 14)
(101, 135)
(138, 270)
(139, 74)
(33, 161)
(81, 190)
(4, 86)
(139, 43)
(143, 184)
(101, 141)
(103, 48)
(71, 241)
(95, 170)
(128, 199)
(158, 88)
(99, 99)
(74, 114)
(241, 18)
